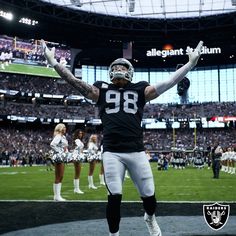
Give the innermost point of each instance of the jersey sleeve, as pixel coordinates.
(100, 84)
(144, 84)
(141, 87)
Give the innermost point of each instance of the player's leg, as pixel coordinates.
(114, 171)
(59, 172)
(141, 174)
(76, 181)
(101, 175)
(92, 165)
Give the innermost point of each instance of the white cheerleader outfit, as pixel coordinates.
(59, 147)
(92, 152)
(77, 155)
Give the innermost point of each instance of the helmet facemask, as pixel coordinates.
(117, 74)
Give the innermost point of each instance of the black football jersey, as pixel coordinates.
(121, 111)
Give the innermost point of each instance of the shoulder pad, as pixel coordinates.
(101, 84)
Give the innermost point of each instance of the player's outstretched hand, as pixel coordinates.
(194, 54)
(49, 54)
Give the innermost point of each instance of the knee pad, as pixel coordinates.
(149, 204)
(113, 212)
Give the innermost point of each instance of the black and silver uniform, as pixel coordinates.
(121, 111)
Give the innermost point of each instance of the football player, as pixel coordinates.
(121, 104)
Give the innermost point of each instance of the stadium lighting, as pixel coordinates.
(233, 2)
(6, 15)
(77, 3)
(131, 5)
(28, 21)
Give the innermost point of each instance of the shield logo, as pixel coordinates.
(216, 215)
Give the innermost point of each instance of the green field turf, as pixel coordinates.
(35, 183)
(30, 70)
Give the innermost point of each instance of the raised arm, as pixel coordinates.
(87, 90)
(156, 90)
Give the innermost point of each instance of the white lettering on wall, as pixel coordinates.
(178, 52)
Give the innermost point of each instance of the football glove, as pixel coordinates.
(194, 54)
(49, 54)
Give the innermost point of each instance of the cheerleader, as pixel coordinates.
(231, 168)
(224, 160)
(78, 157)
(59, 147)
(233, 160)
(92, 158)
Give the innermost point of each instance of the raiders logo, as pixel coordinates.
(216, 215)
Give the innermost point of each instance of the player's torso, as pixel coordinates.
(121, 111)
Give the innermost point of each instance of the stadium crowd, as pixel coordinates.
(35, 142)
(207, 109)
(85, 110)
(41, 85)
(35, 84)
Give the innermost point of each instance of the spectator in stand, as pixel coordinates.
(63, 61)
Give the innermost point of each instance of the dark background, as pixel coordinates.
(101, 38)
